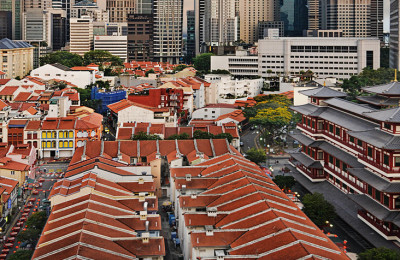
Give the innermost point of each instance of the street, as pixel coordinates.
(36, 194)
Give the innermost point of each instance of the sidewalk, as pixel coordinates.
(345, 208)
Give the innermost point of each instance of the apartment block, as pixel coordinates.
(16, 58)
(81, 35)
(116, 45)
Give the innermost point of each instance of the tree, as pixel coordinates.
(224, 136)
(37, 220)
(379, 253)
(256, 155)
(183, 136)
(62, 57)
(198, 134)
(180, 67)
(99, 57)
(318, 209)
(202, 62)
(368, 77)
(59, 85)
(284, 182)
(30, 234)
(144, 136)
(148, 72)
(21, 255)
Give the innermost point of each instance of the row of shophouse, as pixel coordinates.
(356, 147)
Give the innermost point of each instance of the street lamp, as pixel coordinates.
(267, 156)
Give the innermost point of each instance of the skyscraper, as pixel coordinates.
(119, 10)
(199, 8)
(377, 18)
(394, 34)
(294, 15)
(5, 24)
(313, 14)
(252, 12)
(16, 8)
(144, 6)
(351, 16)
(191, 39)
(81, 38)
(219, 22)
(140, 37)
(168, 20)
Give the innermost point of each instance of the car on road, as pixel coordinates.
(241, 143)
(252, 127)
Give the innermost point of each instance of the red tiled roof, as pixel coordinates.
(2, 104)
(8, 91)
(9, 164)
(250, 215)
(22, 97)
(33, 125)
(123, 104)
(4, 81)
(82, 68)
(31, 110)
(236, 115)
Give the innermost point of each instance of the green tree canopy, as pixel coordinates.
(37, 220)
(284, 182)
(272, 114)
(368, 77)
(21, 255)
(149, 72)
(202, 62)
(379, 253)
(180, 67)
(99, 57)
(145, 136)
(318, 209)
(256, 155)
(30, 234)
(198, 134)
(224, 136)
(62, 57)
(218, 71)
(183, 136)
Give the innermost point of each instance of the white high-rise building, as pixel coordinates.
(81, 35)
(220, 22)
(394, 34)
(168, 22)
(116, 45)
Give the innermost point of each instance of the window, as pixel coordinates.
(387, 126)
(60, 144)
(397, 161)
(61, 134)
(344, 167)
(330, 159)
(43, 144)
(386, 159)
(359, 143)
(65, 144)
(352, 139)
(337, 130)
(71, 134)
(337, 163)
(331, 128)
(378, 195)
(397, 203)
(71, 144)
(369, 190)
(12, 172)
(48, 134)
(369, 151)
(48, 144)
(386, 200)
(53, 134)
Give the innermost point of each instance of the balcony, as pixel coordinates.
(376, 225)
